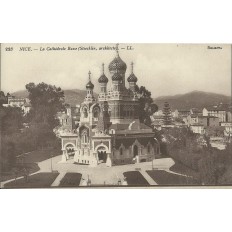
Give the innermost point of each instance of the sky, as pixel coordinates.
(164, 69)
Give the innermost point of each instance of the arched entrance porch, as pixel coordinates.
(102, 155)
(70, 151)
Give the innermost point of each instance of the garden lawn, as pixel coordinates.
(30, 162)
(182, 169)
(39, 180)
(71, 180)
(162, 177)
(135, 178)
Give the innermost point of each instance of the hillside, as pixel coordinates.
(72, 96)
(195, 99)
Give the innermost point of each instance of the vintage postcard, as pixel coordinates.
(115, 115)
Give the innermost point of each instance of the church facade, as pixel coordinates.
(109, 130)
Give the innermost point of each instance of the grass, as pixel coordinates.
(41, 155)
(71, 180)
(30, 162)
(39, 180)
(17, 171)
(135, 178)
(162, 177)
(182, 169)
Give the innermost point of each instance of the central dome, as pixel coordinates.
(117, 64)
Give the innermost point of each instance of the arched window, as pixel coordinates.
(121, 151)
(135, 150)
(85, 112)
(96, 112)
(148, 148)
(84, 137)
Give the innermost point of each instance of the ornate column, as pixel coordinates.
(64, 156)
(108, 161)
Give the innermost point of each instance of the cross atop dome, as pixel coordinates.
(117, 49)
(103, 68)
(132, 67)
(132, 78)
(103, 78)
(89, 84)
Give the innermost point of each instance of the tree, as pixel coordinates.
(3, 98)
(146, 106)
(167, 114)
(12, 120)
(46, 100)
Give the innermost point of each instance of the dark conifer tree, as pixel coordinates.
(167, 114)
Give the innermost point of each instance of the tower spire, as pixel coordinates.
(117, 50)
(132, 67)
(89, 75)
(103, 68)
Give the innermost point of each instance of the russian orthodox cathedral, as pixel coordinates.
(109, 130)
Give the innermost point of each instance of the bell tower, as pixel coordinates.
(89, 88)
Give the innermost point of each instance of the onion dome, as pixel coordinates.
(89, 85)
(132, 77)
(103, 78)
(117, 63)
(116, 76)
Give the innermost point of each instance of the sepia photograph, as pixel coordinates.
(115, 115)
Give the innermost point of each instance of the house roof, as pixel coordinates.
(193, 115)
(134, 127)
(127, 142)
(217, 108)
(195, 125)
(119, 126)
(183, 110)
(201, 116)
(195, 110)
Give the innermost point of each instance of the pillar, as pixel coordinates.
(108, 161)
(64, 156)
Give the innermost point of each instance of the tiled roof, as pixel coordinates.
(217, 108)
(207, 116)
(183, 110)
(127, 142)
(194, 115)
(129, 127)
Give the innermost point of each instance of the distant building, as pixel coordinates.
(208, 120)
(203, 120)
(74, 113)
(229, 115)
(182, 113)
(216, 111)
(196, 111)
(26, 107)
(192, 119)
(158, 113)
(22, 103)
(218, 142)
(227, 128)
(198, 129)
(157, 120)
(15, 102)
